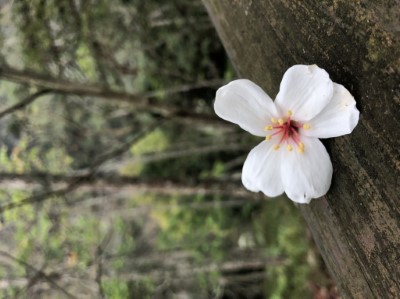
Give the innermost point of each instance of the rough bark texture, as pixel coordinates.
(357, 224)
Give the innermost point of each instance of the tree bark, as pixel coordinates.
(357, 224)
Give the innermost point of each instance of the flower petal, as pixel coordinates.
(338, 118)
(304, 90)
(307, 175)
(262, 170)
(246, 104)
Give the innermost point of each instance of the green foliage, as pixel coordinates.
(154, 142)
(134, 46)
(85, 61)
(25, 158)
(200, 230)
(115, 289)
(284, 236)
(127, 244)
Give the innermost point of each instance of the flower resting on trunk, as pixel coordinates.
(291, 159)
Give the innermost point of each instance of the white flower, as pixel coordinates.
(291, 159)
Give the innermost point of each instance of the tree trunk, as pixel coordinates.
(357, 224)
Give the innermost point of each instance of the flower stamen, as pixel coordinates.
(288, 131)
(306, 126)
(268, 128)
(300, 148)
(295, 136)
(278, 132)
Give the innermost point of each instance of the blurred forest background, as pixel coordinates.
(117, 180)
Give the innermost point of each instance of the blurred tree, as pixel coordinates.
(116, 178)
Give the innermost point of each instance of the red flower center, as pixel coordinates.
(287, 129)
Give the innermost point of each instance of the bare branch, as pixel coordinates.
(99, 261)
(138, 100)
(43, 196)
(98, 161)
(200, 150)
(25, 102)
(65, 184)
(38, 273)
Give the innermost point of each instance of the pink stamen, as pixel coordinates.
(287, 134)
(276, 133)
(283, 137)
(295, 136)
(288, 129)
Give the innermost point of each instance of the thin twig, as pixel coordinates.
(132, 184)
(123, 148)
(43, 196)
(99, 261)
(138, 100)
(167, 155)
(39, 273)
(25, 102)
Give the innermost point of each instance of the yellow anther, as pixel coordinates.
(289, 113)
(300, 150)
(276, 147)
(281, 121)
(301, 145)
(268, 137)
(273, 120)
(289, 147)
(268, 128)
(306, 126)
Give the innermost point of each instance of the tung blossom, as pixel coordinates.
(291, 158)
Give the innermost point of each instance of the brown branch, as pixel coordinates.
(251, 200)
(99, 261)
(72, 185)
(100, 181)
(181, 267)
(101, 159)
(138, 100)
(103, 178)
(38, 273)
(199, 150)
(25, 102)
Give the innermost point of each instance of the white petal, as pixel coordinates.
(304, 90)
(307, 175)
(262, 170)
(338, 118)
(246, 104)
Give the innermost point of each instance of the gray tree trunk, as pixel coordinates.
(357, 224)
